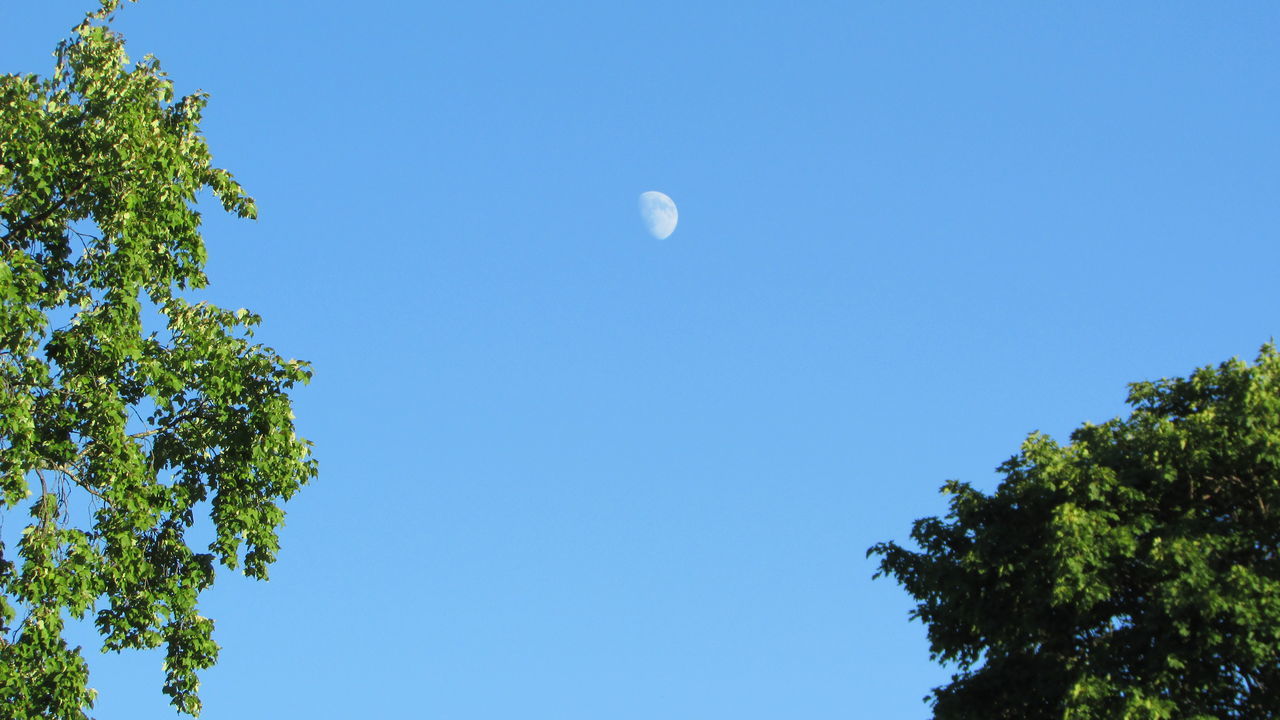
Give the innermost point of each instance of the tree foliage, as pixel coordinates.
(126, 411)
(1132, 573)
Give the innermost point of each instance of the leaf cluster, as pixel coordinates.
(126, 411)
(1132, 573)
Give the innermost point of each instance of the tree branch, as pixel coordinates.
(21, 225)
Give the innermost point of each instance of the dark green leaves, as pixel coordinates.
(1134, 573)
(126, 412)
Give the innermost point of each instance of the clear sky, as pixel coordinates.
(571, 472)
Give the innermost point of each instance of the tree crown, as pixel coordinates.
(1132, 572)
(126, 411)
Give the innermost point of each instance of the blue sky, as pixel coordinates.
(569, 471)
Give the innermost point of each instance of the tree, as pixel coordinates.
(1132, 573)
(126, 411)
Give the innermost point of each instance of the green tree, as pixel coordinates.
(125, 411)
(1132, 573)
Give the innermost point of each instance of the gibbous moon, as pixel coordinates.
(659, 214)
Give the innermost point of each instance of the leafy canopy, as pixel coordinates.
(125, 410)
(1132, 573)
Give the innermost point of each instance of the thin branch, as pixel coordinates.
(83, 485)
(23, 224)
(44, 492)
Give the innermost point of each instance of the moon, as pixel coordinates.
(659, 214)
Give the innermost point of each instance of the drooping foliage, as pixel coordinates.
(1132, 573)
(127, 413)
